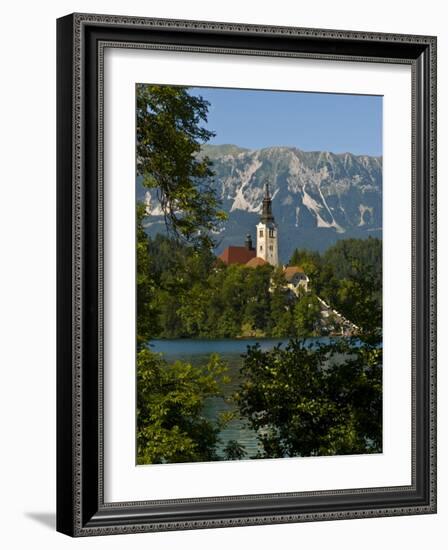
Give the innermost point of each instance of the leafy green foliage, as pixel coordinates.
(170, 397)
(169, 138)
(323, 399)
(314, 400)
(147, 314)
(170, 401)
(198, 296)
(300, 400)
(348, 276)
(309, 260)
(195, 295)
(234, 450)
(307, 315)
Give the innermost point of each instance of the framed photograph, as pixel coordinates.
(246, 274)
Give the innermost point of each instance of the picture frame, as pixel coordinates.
(81, 507)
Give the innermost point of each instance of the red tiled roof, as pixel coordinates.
(255, 262)
(290, 271)
(236, 255)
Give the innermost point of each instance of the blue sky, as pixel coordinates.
(310, 121)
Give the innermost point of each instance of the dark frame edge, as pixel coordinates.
(426, 271)
(65, 496)
(74, 500)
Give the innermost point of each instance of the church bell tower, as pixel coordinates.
(267, 235)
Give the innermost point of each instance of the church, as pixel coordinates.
(266, 250)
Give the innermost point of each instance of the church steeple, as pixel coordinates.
(267, 237)
(266, 212)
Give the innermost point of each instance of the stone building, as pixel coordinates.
(296, 279)
(266, 250)
(267, 232)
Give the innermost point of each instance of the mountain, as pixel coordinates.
(317, 197)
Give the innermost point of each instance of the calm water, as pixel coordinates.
(197, 352)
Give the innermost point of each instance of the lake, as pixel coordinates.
(197, 352)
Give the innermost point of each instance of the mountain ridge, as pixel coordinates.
(221, 148)
(318, 197)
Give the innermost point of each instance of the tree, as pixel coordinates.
(357, 299)
(170, 401)
(348, 276)
(169, 138)
(195, 296)
(307, 316)
(281, 305)
(312, 400)
(309, 260)
(234, 450)
(147, 313)
(352, 282)
(256, 310)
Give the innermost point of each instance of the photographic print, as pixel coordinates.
(258, 274)
(246, 314)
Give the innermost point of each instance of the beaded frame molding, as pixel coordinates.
(81, 40)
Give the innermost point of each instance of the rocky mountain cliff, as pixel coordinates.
(317, 197)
